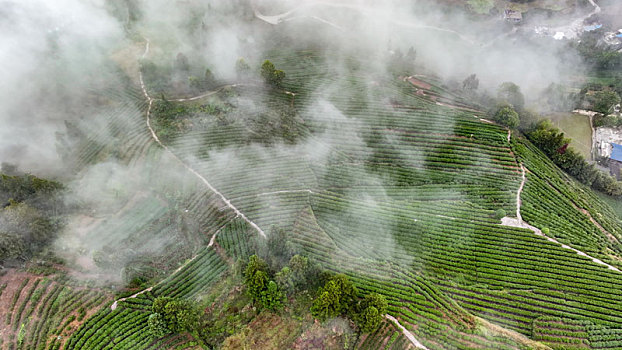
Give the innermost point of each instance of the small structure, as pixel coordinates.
(512, 16)
(615, 160)
(592, 27)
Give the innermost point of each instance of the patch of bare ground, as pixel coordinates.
(329, 336)
(267, 331)
(498, 330)
(126, 59)
(13, 280)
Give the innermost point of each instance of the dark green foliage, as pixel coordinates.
(272, 75)
(11, 246)
(370, 311)
(259, 286)
(255, 264)
(178, 315)
(337, 297)
(605, 100)
(601, 58)
(271, 297)
(510, 93)
(500, 213)
(298, 275)
(35, 190)
(157, 326)
(558, 98)
(506, 115)
(30, 207)
(369, 319)
(275, 250)
(551, 141)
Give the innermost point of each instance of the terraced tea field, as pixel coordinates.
(397, 182)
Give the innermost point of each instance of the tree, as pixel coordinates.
(242, 68)
(369, 312)
(267, 68)
(259, 286)
(500, 213)
(157, 326)
(470, 83)
(209, 76)
(276, 251)
(254, 265)
(285, 280)
(510, 93)
(178, 315)
(271, 75)
(272, 297)
(336, 297)
(604, 101)
(506, 115)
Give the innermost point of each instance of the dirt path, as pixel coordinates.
(199, 176)
(155, 137)
(518, 222)
(519, 192)
(406, 333)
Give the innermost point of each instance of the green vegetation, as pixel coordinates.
(337, 297)
(270, 74)
(553, 143)
(259, 285)
(506, 115)
(481, 7)
(378, 196)
(30, 215)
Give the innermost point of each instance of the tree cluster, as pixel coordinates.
(506, 115)
(271, 75)
(260, 287)
(170, 315)
(554, 144)
(339, 297)
(29, 214)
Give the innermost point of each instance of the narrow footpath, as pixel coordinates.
(518, 222)
(199, 176)
(406, 333)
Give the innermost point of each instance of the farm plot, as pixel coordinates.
(42, 311)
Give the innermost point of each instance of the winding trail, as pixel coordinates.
(518, 222)
(406, 333)
(211, 243)
(199, 176)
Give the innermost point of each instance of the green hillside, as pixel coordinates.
(400, 190)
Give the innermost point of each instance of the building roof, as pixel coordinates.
(616, 152)
(511, 14)
(592, 27)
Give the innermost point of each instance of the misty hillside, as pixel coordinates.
(314, 175)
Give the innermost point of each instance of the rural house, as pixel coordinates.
(512, 16)
(615, 160)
